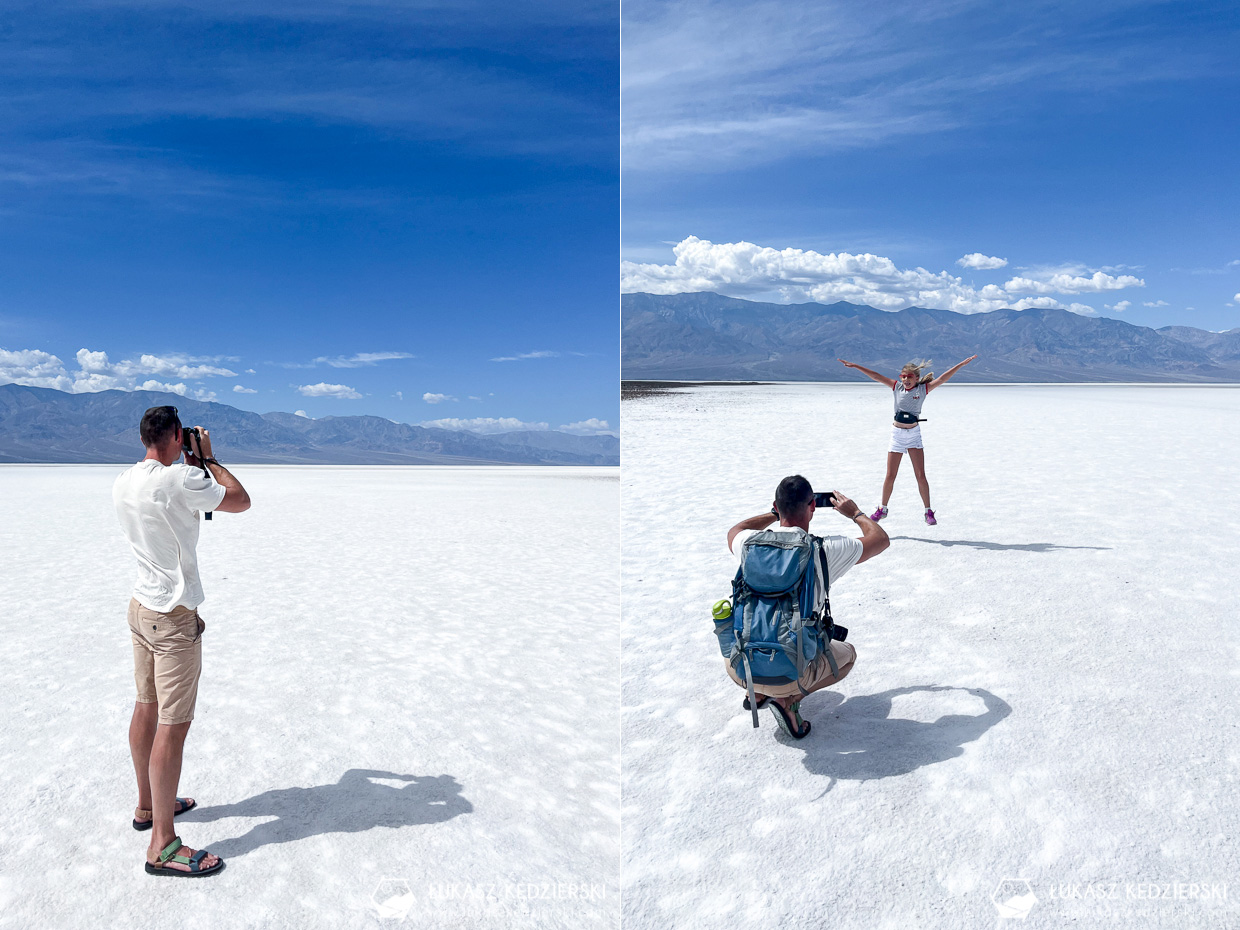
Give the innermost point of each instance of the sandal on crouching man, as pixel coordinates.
(791, 723)
(169, 854)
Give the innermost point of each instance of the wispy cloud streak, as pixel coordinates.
(721, 84)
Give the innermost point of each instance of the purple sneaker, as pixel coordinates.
(930, 521)
(878, 514)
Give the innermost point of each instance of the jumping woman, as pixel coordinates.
(910, 393)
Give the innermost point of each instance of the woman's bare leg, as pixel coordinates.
(893, 466)
(918, 458)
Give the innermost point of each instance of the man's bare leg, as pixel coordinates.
(165, 770)
(141, 736)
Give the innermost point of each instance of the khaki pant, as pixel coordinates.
(816, 675)
(167, 659)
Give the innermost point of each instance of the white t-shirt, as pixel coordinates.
(842, 551)
(158, 506)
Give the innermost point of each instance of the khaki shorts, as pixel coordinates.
(816, 675)
(167, 659)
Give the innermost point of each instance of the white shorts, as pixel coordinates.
(904, 439)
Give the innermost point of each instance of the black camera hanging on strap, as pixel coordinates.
(830, 629)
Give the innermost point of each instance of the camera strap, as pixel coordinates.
(825, 622)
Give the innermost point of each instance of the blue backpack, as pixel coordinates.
(774, 630)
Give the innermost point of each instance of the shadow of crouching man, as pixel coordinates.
(352, 805)
(863, 741)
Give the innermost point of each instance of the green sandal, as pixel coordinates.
(194, 862)
(788, 723)
(148, 822)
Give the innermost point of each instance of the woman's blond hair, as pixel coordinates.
(920, 365)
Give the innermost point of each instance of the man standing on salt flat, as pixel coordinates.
(158, 502)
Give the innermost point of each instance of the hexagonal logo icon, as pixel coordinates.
(1014, 898)
(393, 899)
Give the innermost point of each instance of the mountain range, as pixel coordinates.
(709, 337)
(45, 425)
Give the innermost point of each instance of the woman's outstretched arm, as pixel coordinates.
(947, 374)
(869, 373)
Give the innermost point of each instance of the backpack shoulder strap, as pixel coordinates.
(825, 621)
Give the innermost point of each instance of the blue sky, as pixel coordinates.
(405, 209)
(961, 155)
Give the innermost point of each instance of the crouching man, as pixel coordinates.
(785, 578)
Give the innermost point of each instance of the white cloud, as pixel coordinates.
(981, 262)
(525, 355)
(204, 395)
(97, 373)
(484, 424)
(174, 366)
(238, 389)
(361, 359)
(742, 269)
(1068, 283)
(436, 398)
(153, 385)
(92, 361)
(322, 389)
(399, 395)
(1236, 297)
(34, 368)
(591, 427)
(1119, 307)
(301, 413)
(1156, 303)
(250, 371)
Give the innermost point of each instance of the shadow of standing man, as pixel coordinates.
(352, 805)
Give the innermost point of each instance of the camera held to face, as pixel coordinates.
(186, 433)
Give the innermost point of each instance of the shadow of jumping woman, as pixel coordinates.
(352, 805)
(862, 741)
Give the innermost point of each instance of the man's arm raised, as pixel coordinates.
(874, 538)
(760, 522)
(236, 498)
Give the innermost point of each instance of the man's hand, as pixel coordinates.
(873, 537)
(199, 450)
(201, 443)
(236, 498)
(844, 505)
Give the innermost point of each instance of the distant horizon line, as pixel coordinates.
(292, 413)
(863, 381)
